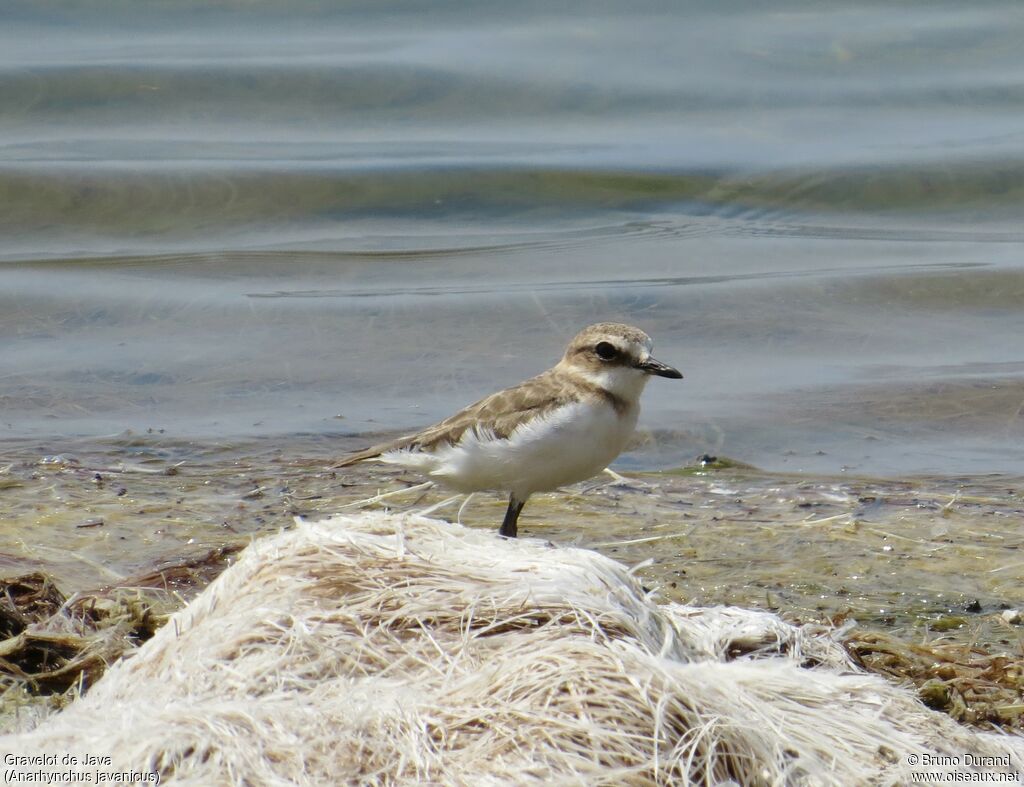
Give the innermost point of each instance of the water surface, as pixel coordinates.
(238, 220)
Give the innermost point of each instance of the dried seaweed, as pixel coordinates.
(52, 644)
(971, 685)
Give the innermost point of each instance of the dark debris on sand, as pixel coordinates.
(53, 645)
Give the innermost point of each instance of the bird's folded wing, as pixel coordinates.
(497, 415)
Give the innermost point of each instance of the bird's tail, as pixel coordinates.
(359, 456)
(373, 451)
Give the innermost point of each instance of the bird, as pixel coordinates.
(558, 428)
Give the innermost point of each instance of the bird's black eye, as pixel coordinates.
(606, 351)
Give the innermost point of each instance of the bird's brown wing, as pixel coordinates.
(498, 414)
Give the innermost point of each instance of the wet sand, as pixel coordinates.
(919, 558)
(919, 575)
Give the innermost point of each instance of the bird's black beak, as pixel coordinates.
(652, 366)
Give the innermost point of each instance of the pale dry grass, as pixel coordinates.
(384, 649)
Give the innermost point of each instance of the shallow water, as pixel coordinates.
(240, 220)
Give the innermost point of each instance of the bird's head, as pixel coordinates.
(615, 357)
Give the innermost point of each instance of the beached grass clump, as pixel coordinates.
(403, 650)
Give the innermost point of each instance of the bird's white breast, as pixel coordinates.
(568, 444)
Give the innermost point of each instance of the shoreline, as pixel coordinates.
(917, 563)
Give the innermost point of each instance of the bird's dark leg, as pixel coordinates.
(509, 524)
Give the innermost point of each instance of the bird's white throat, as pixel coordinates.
(623, 382)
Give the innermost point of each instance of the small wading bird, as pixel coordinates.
(557, 428)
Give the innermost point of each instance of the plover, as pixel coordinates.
(557, 428)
